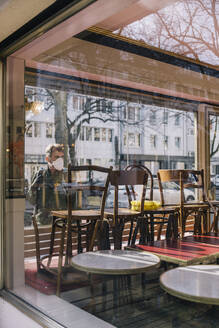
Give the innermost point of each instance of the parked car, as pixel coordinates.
(171, 194)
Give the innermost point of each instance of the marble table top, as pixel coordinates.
(197, 283)
(115, 262)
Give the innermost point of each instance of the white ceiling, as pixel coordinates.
(15, 13)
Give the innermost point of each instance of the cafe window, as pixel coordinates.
(121, 94)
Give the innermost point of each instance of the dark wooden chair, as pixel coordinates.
(118, 216)
(199, 208)
(86, 199)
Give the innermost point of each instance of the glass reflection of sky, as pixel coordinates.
(188, 28)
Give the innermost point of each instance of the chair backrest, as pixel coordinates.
(150, 176)
(193, 179)
(129, 178)
(81, 180)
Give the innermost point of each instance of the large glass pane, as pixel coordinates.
(104, 95)
(214, 159)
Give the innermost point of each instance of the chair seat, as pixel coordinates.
(163, 210)
(78, 214)
(122, 212)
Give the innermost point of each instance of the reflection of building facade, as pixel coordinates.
(120, 133)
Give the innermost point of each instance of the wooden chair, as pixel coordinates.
(188, 179)
(141, 222)
(86, 201)
(154, 218)
(118, 216)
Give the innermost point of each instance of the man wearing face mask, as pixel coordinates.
(46, 192)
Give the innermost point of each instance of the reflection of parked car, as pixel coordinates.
(171, 194)
(215, 180)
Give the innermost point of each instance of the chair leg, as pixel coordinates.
(60, 260)
(80, 249)
(130, 232)
(197, 226)
(94, 235)
(133, 239)
(159, 230)
(37, 239)
(52, 243)
(169, 230)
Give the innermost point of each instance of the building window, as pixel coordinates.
(109, 106)
(88, 133)
(153, 140)
(152, 117)
(97, 161)
(125, 139)
(104, 135)
(49, 130)
(96, 134)
(110, 135)
(165, 141)
(82, 132)
(37, 128)
(165, 117)
(190, 132)
(78, 102)
(132, 139)
(29, 129)
(177, 142)
(177, 119)
(131, 113)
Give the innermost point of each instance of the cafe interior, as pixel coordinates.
(129, 90)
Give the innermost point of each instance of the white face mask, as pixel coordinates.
(58, 164)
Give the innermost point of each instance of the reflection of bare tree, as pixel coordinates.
(189, 28)
(69, 126)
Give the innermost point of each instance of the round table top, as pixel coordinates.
(115, 262)
(196, 283)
